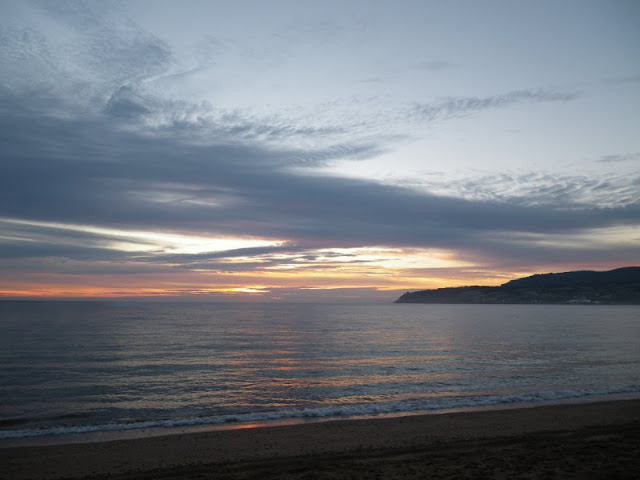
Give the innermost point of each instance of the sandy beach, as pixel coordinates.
(593, 440)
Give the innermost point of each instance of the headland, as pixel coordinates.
(615, 287)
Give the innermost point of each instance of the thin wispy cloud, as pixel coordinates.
(459, 106)
(576, 192)
(624, 157)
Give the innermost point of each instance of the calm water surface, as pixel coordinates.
(96, 366)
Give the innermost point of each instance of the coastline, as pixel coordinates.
(601, 438)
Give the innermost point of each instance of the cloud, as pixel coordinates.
(615, 158)
(125, 103)
(87, 169)
(454, 107)
(113, 46)
(204, 124)
(531, 188)
(107, 176)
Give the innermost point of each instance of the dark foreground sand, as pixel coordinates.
(597, 440)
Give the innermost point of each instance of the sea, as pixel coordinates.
(87, 368)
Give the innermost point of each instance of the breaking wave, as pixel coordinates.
(336, 411)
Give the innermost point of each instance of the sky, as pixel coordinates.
(314, 151)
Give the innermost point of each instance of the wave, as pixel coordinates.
(340, 411)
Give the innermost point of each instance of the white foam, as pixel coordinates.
(354, 410)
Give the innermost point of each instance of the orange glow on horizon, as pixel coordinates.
(362, 277)
(235, 285)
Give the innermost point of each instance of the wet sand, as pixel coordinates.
(594, 440)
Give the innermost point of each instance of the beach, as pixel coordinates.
(591, 440)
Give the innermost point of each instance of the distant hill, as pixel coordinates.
(620, 286)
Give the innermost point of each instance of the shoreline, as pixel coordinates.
(100, 436)
(346, 447)
(108, 435)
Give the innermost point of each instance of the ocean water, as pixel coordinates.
(74, 367)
